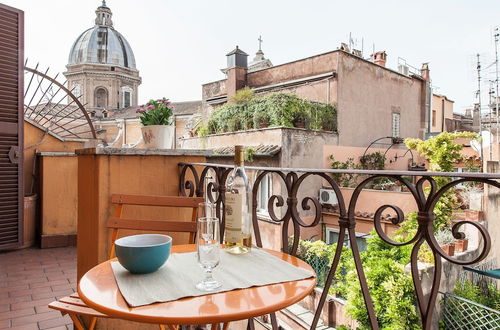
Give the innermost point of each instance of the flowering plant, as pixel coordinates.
(157, 112)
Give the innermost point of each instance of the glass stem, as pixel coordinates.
(208, 274)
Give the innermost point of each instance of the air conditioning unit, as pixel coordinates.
(328, 196)
(403, 69)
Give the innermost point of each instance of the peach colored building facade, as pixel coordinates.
(442, 111)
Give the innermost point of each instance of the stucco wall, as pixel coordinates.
(438, 101)
(368, 95)
(59, 194)
(36, 140)
(302, 68)
(101, 174)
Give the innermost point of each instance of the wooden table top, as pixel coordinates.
(98, 289)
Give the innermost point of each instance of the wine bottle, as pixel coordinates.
(238, 199)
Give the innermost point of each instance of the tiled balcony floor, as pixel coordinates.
(29, 280)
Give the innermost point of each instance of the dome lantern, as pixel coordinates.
(103, 15)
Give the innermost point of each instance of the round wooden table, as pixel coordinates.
(98, 289)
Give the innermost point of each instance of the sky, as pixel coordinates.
(180, 45)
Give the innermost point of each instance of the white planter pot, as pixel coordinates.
(158, 136)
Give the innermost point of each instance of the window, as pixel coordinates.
(332, 236)
(396, 120)
(264, 193)
(77, 91)
(126, 99)
(433, 117)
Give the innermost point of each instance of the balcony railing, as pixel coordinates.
(461, 313)
(193, 179)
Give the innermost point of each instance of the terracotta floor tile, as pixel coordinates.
(4, 324)
(32, 326)
(13, 314)
(29, 280)
(56, 322)
(35, 318)
(33, 303)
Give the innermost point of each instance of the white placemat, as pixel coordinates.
(178, 277)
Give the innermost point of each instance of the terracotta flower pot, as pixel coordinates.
(449, 249)
(473, 215)
(461, 245)
(299, 124)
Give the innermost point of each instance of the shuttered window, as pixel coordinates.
(396, 120)
(11, 126)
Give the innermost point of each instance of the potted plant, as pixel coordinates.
(471, 196)
(461, 245)
(300, 118)
(261, 119)
(446, 241)
(157, 129)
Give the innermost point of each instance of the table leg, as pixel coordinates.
(169, 326)
(225, 326)
(214, 326)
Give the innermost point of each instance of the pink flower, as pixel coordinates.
(140, 110)
(150, 107)
(171, 107)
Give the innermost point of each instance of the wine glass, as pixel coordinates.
(207, 244)
(206, 210)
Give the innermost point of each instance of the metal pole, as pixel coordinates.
(479, 105)
(489, 126)
(496, 80)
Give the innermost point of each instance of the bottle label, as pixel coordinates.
(233, 218)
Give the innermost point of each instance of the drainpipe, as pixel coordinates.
(442, 115)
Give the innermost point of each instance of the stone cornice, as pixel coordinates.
(104, 74)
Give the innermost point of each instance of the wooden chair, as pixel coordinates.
(73, 305)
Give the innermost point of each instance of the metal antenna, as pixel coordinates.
(496, 78)
(490, 92)
(479, 103)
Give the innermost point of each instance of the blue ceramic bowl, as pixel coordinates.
(143, 254)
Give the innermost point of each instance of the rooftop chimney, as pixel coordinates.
(379, 58)
(425, 72)
(237, 67)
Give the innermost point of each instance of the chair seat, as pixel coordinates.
(74, 305)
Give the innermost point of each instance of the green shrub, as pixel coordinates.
(277, 109)
(243, 95)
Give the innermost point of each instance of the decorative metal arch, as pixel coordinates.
(69, 120)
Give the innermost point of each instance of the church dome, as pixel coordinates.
(102, 44)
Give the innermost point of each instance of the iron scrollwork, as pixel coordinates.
(289, 205)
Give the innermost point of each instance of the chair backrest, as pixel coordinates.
(118, 222)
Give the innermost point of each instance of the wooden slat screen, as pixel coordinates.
(11, 126)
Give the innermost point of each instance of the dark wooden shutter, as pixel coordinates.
(11, 126)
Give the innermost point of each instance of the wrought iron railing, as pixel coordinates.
(193, 183)
(462, 314)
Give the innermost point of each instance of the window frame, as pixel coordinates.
(262, 209)
(347, 241)
(396, 129)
